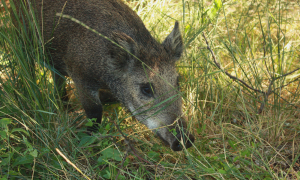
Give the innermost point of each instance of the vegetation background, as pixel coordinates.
(246, 127)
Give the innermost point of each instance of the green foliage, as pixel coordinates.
(21, 154)
(212, 11)
(109, 153)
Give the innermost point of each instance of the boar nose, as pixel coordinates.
(187, 138)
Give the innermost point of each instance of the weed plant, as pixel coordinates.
(240, 133)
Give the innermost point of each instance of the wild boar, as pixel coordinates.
(141, 74)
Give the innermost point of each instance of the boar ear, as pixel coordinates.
(121, 52)
(173, 43)
(126, 42)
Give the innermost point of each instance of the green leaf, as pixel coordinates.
(187, 28)
(232, 144)
(13, 173)
(5, 161)
(153, 155)
(27, 159)
(44, 151)
(3, 148)
(212, 10)
(173, 131)
(212, 13)
(108, 126)
(3, 135)
(126, 162)
(89, 124)
(111, 153)
(5, 121)
(101, 161)
(236, 158)
(29, 146)
(34, 153)
(246, 153)
(20, 130)
(210, 170)
(86, 141)
(217, 4)
(106, 173)
(222, 171)
(46, 112)
(121, 177)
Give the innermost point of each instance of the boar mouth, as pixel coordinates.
(175, 141)
(187, 138)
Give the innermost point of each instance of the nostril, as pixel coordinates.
(188, 139)
(176, 146)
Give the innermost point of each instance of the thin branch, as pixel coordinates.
(286, 84)
(287, 74)
(272, 80)
(124, 158)
(266, 95)
(270, 91)
(286, 101)
(231, 76)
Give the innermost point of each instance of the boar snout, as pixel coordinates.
(183, 135)
(176, 140)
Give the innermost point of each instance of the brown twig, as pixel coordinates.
(286, 100)
(231, 76)
(124, 158)
(286, 84)
(270, 91)
(265, 94)
(286, 74)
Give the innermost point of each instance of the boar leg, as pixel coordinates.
(89, 98)
(106, 97)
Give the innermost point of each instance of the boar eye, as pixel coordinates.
(147, 90)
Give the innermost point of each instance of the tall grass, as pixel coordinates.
(254, 41)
